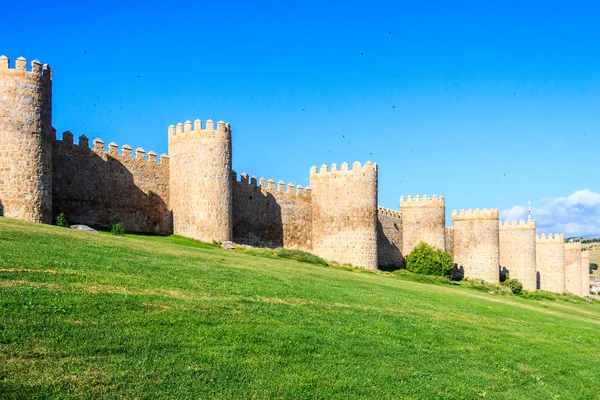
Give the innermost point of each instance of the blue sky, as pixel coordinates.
(486, 104)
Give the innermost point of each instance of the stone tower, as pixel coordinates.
(345, 214)
(26, 141)
(476, 243)
(550, 262)
(200, 176)
(517, 251)
(573, 281)
(585, 273)
(423, 220)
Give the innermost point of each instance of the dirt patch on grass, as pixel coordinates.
(20, 270)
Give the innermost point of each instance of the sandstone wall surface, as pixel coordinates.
(517, 252)
(550, 262)
(271, 216)
(345, 214)
(585, 273)
(573, 270)
(389, 238)
(26, 135)
(201, 181)
(450, 240)
(99, 188)
(476, 244)
(423, 220)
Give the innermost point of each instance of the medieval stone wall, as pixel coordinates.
(450, 240)
(573, 279)
(423, 220)
(26, 135)
(271, 216)
(517, 252)
(550, 262)
(389, 238)
(345, 214)
(201, 181)
(476, 244)
(585, 273)
(99, 188)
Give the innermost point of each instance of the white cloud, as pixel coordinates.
(575, 215)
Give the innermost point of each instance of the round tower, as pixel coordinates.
(517, 252)
(344, 214)
(550, 262)
(573, 270)
(423, 220)
(200, 180)
(26, 141)
(476, 244)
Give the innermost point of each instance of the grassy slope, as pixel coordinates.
(145, 317)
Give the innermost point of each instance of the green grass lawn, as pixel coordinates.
(95, 316)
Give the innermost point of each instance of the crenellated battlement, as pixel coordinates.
(189, 129)
(491, 213)
(522, 224)
(573, 246)
(36, 67)
(113, 149)
(550, 238)
(388, 212)
(269, 185)
(424, 201)
(344, 168)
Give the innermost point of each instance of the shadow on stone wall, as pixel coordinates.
(389, 255)
(538, 281)
(99, 192)
(1, 210)
(257, 219)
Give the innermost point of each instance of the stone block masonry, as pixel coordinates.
(517, 252)
(573, 270)
(585, 273)
(344, 215)
(550, 262)
(271, 215)
(389, 238)
(99, 188)
(476, 244)
(450, 240)
(26, 136)
(201, 181)
(423, 220)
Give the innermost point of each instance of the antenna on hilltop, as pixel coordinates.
(529, 210)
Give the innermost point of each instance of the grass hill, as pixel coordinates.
(96, 316)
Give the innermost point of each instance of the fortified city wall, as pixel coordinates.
(585, 273)
(100, 188)
(550, 262)
(423, 220)
(476, 244)
(573, 269)
(517, 251)
(201, 182)
(271, 215)
(195, 193)
(344, 215)
(389, 238)
(26, 135)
